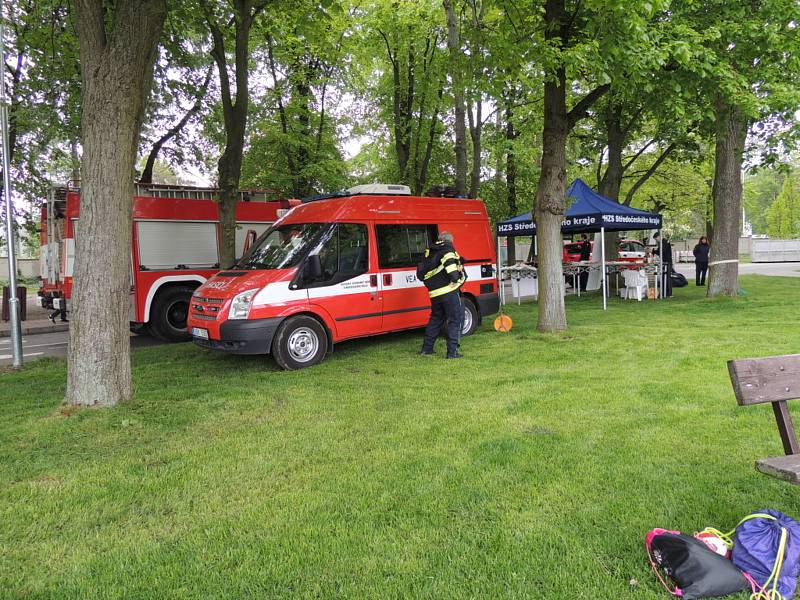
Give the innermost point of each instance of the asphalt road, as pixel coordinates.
(54, 344)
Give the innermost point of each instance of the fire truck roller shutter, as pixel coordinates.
(167, 245)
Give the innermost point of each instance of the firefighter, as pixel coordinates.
(442, 272)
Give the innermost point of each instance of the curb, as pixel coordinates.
(34, 329)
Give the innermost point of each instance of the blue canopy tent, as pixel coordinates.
(589, 213)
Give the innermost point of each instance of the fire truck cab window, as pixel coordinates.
(344, 253)
(403, 245)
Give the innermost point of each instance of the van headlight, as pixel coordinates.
(240, 307)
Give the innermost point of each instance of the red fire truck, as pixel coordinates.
(174, 250)
(342, 267)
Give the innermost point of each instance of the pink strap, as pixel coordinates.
(647, 542)
(753, 583)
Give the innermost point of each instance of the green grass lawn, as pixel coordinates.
(532, 468)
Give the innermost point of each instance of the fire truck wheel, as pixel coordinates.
(299, 342)
(168, 316)
(471, 318)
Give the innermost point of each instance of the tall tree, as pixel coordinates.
(783, 215)
(457, 76)
(731, 131)
(43, 90)
(743, 58)
(238, 16)
(614, 38)
(756, 79)
(305, 59)
(549, 204)
(410, 87)
(117, 51)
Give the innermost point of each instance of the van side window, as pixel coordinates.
(344, 254)
(403, 245)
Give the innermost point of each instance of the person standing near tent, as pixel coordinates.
(666, 261)
(586, 254)
(442, 272)
(701, 252)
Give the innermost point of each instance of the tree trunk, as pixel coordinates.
(402, 141)
(74, 160)
(229, 168)
(289, 152)
(234, 112)
(421, 177)
(612, 178)
(550, 195)
(723, 279)
(475, 133)
(116, 73)
(301, 85)
(454, 46)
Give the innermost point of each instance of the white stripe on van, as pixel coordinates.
(278, 292)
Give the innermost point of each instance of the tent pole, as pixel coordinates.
(603, 262)
(663, 280)
(499, 276)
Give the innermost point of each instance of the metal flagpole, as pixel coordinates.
(13, 301)
(603, 262)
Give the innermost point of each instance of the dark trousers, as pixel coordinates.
(447, 310)
(701, 268)
(583, 278)
(60, 312)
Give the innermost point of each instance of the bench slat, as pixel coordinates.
(782, 467)
(770, 379)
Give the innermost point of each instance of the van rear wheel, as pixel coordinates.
(471, 318)
(299, 342)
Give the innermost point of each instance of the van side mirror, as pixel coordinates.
(313, 268)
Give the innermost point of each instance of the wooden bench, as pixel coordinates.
(774, 379)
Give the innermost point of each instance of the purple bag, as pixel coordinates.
(767, 547)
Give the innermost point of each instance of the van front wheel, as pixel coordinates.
(299, 342)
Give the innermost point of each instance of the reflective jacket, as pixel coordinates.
(445, 266)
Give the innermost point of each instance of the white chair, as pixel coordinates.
(635, 284)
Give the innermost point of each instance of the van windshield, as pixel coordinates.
(281, 247)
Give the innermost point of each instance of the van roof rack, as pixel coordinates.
(369, 189)
(443, 191)
(193, 192)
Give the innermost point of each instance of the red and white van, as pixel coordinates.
(342, 267)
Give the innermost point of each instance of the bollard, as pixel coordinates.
(22, 298)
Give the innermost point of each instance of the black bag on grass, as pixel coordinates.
(698, 572)
(678, 279)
